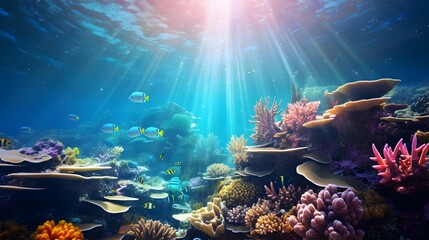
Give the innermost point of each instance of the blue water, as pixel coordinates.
(216, 59)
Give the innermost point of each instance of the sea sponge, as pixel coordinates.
(209, 219)
(62, 231)
(239, 192)
(13, 231)
(237, 148)
(71, 155)
(151, 230)
(217, 170)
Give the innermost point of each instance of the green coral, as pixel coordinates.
(180, 122)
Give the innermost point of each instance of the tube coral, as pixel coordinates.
(62, 231)
(151, 230)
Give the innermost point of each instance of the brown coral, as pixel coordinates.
(265, 123)
(259, 209)
(373, 205)
(12, 231)
(238, 192)
(209, 219)
(63, 230)
(236, 147)
(151, 230)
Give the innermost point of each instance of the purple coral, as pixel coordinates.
(265, 121)
(287, 196)
(330, 214)
(47, 146)
(299, 113)
(237, 215)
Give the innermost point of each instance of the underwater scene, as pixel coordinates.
(214, 119)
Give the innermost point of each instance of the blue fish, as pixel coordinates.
(135, 132)
(152, 132)
(109, 128)
(25, 129)
(139, 97)
(73, 117)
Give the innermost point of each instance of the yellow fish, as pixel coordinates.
(170, 171)
(161, 156)
(5, 143)
(148, 205)
(177, 163)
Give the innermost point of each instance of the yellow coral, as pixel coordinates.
(236, 147)
(61, 231)
(238, 192)
(267, 224)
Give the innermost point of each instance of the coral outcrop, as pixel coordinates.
(328, 215)
(238, 192)
(151, 230)
(209, 219)
(406, 171)
(237, 148)
(63, 230)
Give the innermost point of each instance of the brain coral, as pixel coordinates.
(63, 231)
(238, 192)
(217, 170)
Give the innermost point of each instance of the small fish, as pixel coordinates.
(148, 205)
(5, 143)
(173, 198)
(73, 117)
(135, 132)
(178, 164)
(197, 238)
(139, 97)
(152, 132)
(25, 129)
(282, 180)
(140, 179)
(109, 128)
(170, 171)
(161, 156)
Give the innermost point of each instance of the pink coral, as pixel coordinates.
(265, 121)
(299, 113)
(399, 166)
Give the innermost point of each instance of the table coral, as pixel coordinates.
(401, 168)
(238, 192)
(151, 230)
(63, 231)
(329, 214)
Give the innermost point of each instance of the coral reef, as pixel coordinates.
(236, 147)
(151, 230)
(262, 207)
(46, 146)
(271, 223)
(181, 122)
(217, 170)
(62, 230)
(238, 192)
(287, 196)
(195, 182)
(236, 215)
(209, 219)
(407, 172)
(329, 214)
(266, 127)
(206, 147)
(71, 155)
(13, 231)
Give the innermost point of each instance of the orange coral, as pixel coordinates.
(61, 231)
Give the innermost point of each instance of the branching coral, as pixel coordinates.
(12, 231)
(238, 192)
(330, 214)
(236, 215)
(151, 230)
(299, 113)
(403, 169)
(206, 147)
(63, 230)
(266, 126)
(236, 147)
(287, 196)
(262, 207)
(217, 170)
